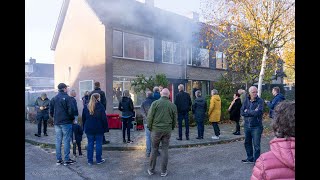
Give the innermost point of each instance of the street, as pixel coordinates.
(220, 161)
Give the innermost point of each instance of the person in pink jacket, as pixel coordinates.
(279, 162)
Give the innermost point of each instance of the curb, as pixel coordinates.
(134, 148)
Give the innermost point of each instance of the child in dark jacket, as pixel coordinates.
(77, 133)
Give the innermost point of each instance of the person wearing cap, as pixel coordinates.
(62, 112)
(42, 106)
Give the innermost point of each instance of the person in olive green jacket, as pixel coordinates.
(215, 112)
(162, 118)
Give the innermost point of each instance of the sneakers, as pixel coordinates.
(164, 174)
(106, 142)
(215, 137)
(38, 135)
(129, 141)
(80, 155)
(59, 162)
(237, 133)
(198, 137)
(69, 162)
(246, 161)
(124, 141)
(102, 161)
(45, 134)
(90, 164)
(179, 139)
(150, 172)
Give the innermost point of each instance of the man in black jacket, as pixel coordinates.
(183, 103)
(42, 105)
(62, 113)
(103, 101)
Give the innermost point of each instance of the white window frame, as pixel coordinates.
(171, 60)
(123, 46)
(188, 47)
(208, 57)
(223, 60)
(80, 95)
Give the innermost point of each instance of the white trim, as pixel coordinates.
(80, 95)
(171, 59)
(127, 58)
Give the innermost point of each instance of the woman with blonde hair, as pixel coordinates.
(95, 123)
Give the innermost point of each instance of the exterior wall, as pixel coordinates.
(127, 67)
(197, 73)
(80, 51)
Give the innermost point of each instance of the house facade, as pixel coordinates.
(113, 41)
(38, 76)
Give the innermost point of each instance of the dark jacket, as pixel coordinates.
(61, 109)
(156, 95)
(275, 101)
(145, 106)
(85, 100)
(235, 110)
(74, 106)
(183, 102)
(45, 103)
(97, 123)
(253, 115)
(126, 106)
(199, 109)
(77, 132)
(103, 99)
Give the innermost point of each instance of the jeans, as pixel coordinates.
(156, 138)
(148, 139)
(63, 132)
(216, 128)
(200, 126)
(91, 139)
(185, 116)
(126, 125)
(77, 143)
(45, 122)
(252, 134)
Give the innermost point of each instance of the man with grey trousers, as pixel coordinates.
(162, 118)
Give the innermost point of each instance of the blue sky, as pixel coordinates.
(41, 17)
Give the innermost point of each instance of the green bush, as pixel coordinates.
(266, 95)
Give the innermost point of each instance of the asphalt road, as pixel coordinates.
(220, 162)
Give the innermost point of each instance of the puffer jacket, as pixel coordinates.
(253, 115)
(278, 163)
(215, 109)
(199, 109)
(45, 103)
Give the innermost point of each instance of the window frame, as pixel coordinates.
(123, 46)
(92, 85)
(172, 54)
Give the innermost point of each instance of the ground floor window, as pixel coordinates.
(194, 85)
(121, 83)
(85, 85)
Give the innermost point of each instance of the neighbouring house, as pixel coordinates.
(113, 41)
(38, 76)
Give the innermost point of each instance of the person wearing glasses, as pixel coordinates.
(252, 111)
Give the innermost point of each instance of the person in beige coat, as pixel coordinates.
(215, 112)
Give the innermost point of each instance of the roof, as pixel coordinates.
(135, 16)
(42, 70)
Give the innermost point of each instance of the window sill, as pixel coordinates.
(126, 58)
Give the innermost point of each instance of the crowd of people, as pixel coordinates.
(160, 117)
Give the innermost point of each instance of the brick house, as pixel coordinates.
(38, 76)
(113, 41)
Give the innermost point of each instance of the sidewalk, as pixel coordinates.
(138, 137)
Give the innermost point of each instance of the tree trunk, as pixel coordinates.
(263, 67)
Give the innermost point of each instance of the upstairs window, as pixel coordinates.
(171, 52)
(132, 46)
(221, 62)
(200, 57)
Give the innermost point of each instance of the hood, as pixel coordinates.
(280, 96)
(217, 97)
(284, 150)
